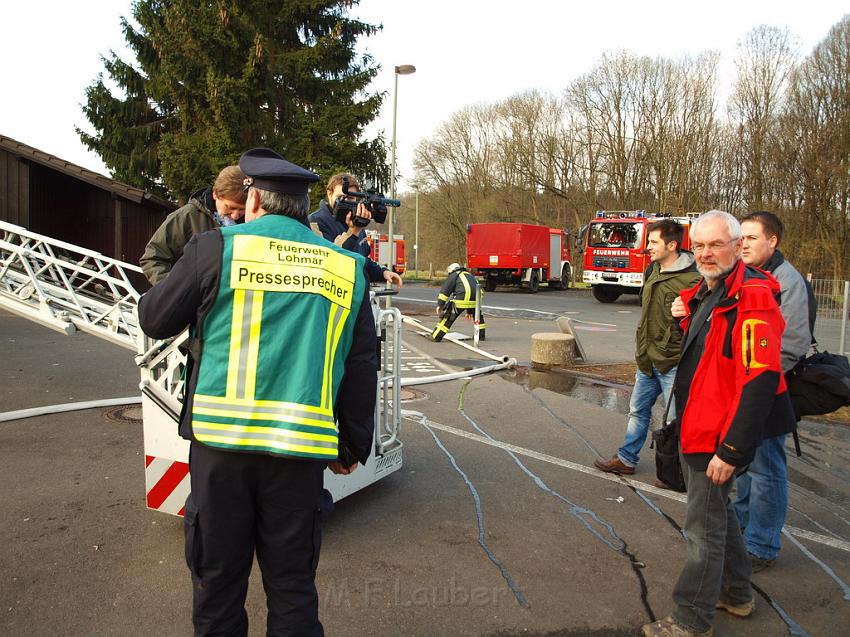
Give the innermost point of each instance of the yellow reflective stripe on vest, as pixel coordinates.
(336, 323)
(250, 369)
(263, 410)
(249, 436)
(235, 340)
(244, 343)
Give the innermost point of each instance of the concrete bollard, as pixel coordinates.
(551, 348)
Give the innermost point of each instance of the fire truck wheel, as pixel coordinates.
(565, 277)
(489, 283)
(534, 282)
(605, 295)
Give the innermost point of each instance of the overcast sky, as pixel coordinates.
(465, 51)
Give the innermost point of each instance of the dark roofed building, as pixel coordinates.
(53, 197)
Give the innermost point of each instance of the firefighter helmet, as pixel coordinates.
(452, 267)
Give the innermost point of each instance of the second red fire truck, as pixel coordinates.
(615, 254)
(519, 254)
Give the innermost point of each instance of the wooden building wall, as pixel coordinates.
(63, 207)
(71, 210)
(14, 189)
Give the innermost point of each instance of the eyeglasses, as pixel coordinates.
(714, 246)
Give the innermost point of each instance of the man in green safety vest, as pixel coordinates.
(281, 383)
(457, 295)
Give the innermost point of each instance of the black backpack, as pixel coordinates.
(819, 384)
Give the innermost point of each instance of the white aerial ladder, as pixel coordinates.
(68, 288)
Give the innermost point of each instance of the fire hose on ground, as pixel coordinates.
(502, 362)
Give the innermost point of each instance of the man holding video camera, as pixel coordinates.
(337, 220)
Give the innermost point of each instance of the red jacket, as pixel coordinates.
(739, 377)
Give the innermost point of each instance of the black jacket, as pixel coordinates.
(331, 228)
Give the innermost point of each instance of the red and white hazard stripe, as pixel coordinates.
(166, 484)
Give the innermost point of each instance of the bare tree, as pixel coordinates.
(765, 59)
(818, 117)
(640, 132)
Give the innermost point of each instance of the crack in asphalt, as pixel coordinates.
(577, 512)
(793, 627)
(518, 594)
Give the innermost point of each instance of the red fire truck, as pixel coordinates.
(519, 254)
(615, 254)
(380, 247)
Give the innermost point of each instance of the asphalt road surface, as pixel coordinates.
(496, 524)
(512, 301)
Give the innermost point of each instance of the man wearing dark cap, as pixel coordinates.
(284, 347)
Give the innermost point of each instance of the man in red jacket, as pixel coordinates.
(729, 383)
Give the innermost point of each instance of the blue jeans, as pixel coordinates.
(762, 500)
(717, 560)
(646, 392)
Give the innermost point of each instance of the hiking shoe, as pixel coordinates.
(760, 563)
(614, 465)
(669, 627)
(738, 610)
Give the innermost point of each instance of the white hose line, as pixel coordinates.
(58, 409)
(502, 362)
(424, 380)
(500, 359)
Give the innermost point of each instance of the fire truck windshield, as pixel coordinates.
(615, 235)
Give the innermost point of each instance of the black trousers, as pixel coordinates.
(449, 316)
(241, 503)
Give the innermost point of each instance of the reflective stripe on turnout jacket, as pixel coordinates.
(459, 288)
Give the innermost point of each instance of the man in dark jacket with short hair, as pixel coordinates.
(762, 492)
(347, 234)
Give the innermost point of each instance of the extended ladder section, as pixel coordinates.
(68, 288)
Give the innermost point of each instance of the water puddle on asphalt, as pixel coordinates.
(608, 395)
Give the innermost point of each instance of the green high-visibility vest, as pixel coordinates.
(275, 341)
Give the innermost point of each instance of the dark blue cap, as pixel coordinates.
(267, 170)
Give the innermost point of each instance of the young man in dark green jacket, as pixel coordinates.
(659, 338)
(221, 205)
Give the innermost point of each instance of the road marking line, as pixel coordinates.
(434, 361)
(512, 309)
(841, 545)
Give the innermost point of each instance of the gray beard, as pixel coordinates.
(716, 276)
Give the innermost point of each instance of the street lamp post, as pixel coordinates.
(416, 233)
(403, 69)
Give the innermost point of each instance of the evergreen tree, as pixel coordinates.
(214, 78)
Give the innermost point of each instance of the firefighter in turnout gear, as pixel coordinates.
(456, 296)
(281, 383)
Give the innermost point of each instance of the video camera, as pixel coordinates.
(374, 201)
